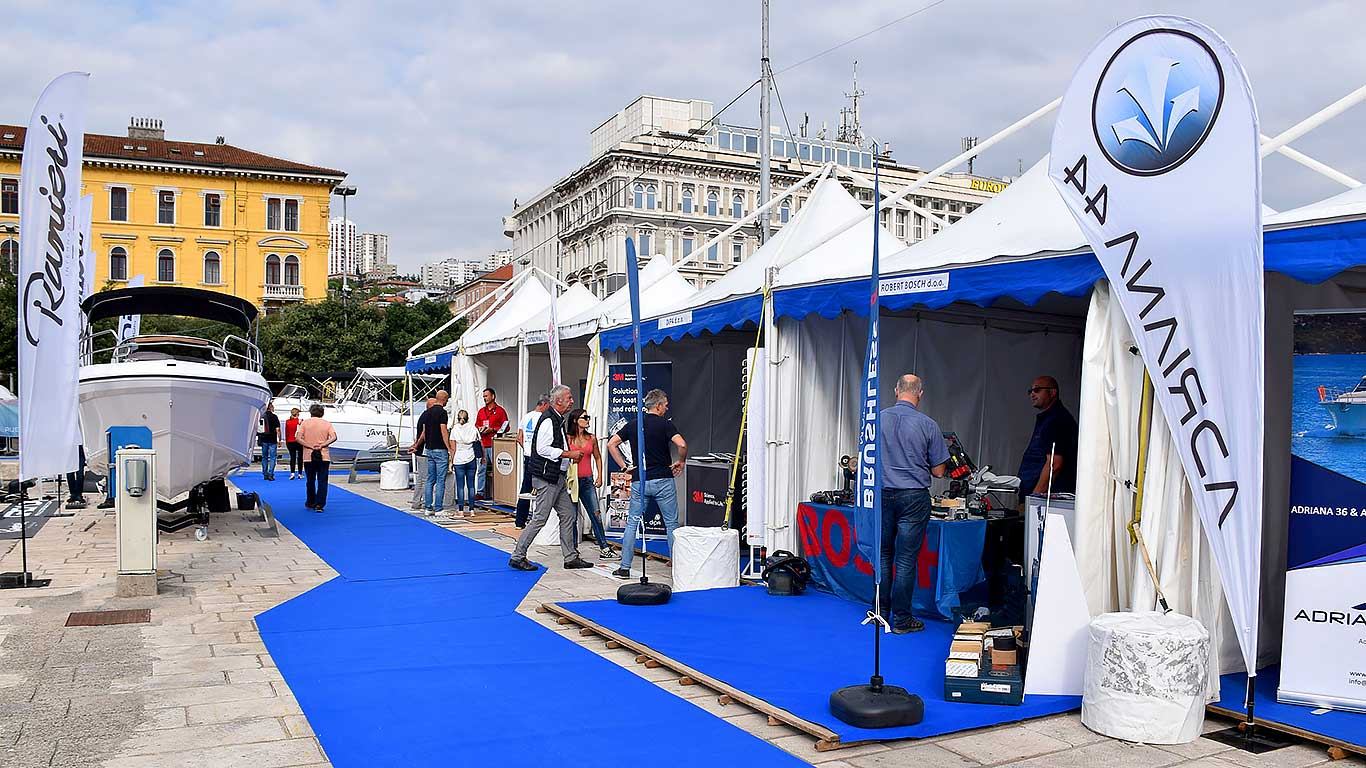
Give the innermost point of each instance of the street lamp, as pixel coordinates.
(11, 252)
(345, 192)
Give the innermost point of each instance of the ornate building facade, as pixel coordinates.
(666, 177)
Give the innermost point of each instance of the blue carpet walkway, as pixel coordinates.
(415, 656)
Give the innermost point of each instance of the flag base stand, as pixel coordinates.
(876, 705)
(21, 580)
(644, 593)
(1257, 741)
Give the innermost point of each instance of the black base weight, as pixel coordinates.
(644, 593)
(890, 706)
(21, 580)
(1258, 742)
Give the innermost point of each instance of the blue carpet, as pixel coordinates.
(1346, 727)
(414, 656)
(794, 651)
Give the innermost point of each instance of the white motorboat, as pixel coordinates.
(370, 413)
(1347, 408)
(200, 397)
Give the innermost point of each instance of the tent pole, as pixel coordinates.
(1314, 121)
(1322, 169)
(466, 311)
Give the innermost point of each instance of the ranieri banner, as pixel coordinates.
(1155, 153)
(50, 259)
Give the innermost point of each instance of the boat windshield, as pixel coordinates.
(1361, 387)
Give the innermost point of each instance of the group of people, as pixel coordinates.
(440, 448)
(307, 441)
(914, 451)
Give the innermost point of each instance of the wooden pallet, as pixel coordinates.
(1337, 749)
(826, 739)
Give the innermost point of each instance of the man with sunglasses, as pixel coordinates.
(1052, 451)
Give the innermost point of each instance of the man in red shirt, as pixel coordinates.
(491, 420)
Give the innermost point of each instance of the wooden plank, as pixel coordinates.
(824, 735)
(1319, 738)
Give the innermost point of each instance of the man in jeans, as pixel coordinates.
(434, 432)
(913, 451)
(660, 470)
(549, 462)
(420, 462)
(268, 437)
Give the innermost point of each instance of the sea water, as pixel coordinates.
(1311, 428)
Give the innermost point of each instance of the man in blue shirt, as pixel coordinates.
(913, 451)
(1052, 450)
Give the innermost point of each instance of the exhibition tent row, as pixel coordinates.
(979, 310)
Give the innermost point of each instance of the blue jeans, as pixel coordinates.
(588, 497)
(481, 472)
(664, 494)
(438, 462)
(268, 453)
(464, 483)
(905, 516)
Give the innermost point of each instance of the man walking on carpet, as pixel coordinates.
(550, 463)
(660, 470)
(913, 450)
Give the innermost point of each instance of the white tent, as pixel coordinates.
(1349, 204)
(662, 291)
(500, 329)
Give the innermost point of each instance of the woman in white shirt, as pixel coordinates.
(463, 437)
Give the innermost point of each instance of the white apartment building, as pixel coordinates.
(374, 254)
(450, 273)
(497, 259)
(660, 174)
(343, 250)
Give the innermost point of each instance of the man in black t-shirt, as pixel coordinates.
(1052, 450)
(434, 438)
(268, 437)
(419, 460)
(660, 470)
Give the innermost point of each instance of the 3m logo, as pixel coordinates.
(697, 497)
(618, 377)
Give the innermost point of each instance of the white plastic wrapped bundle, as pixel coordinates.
(1146, 677)
(705, 558)
(393, 476)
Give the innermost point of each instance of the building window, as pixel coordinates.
(785, 211)
(650, 194)
(213, 209)
(272, 269)
(165, 207)
(291, 215)
(165, 266)
(291, 270)
(213, 268)
(713, 253)
(737, 205)
(901, 224)
(687, 199)
(118, 263)
(689, 238)
(737, 251)
(645, 243)
(712, 202)
(9, 196)
(638, 200)
(919, 227)
(118, 204)
(273, 213)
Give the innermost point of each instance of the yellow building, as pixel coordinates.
(198, 215)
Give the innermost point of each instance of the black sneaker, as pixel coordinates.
(522, 564)
(910, 625)
(577, 562)
(622, 573)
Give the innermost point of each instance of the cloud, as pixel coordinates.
(444, 112)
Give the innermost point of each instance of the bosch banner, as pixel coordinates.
(1322, 663)
(1156, 155)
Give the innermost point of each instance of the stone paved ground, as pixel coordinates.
(197, 688)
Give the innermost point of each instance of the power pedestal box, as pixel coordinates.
(135, 507)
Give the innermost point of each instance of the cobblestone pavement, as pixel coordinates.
(196, 687)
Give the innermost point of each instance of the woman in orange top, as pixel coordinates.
(315, 434)
(581, 439)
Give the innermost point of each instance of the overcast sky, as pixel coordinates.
(444, 112)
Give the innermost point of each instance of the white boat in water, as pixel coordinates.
(370, 413)
(200, 397)
(1347, 409)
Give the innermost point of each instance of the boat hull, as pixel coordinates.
(358, 427)
(1349, 419)
(203, 417)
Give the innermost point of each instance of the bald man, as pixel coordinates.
(1052, 451)
(913, 451)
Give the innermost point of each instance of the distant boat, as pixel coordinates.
(366, 413)
(1347, 408)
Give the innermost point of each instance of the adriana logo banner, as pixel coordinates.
(1156, 155)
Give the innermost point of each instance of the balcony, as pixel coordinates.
(275, 292)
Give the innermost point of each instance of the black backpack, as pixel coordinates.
(786, 574)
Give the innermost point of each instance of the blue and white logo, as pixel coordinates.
(1157, 101)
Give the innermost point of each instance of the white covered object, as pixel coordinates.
(1146, 677)
(705, 558)
(550, 535)
(393, 475)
